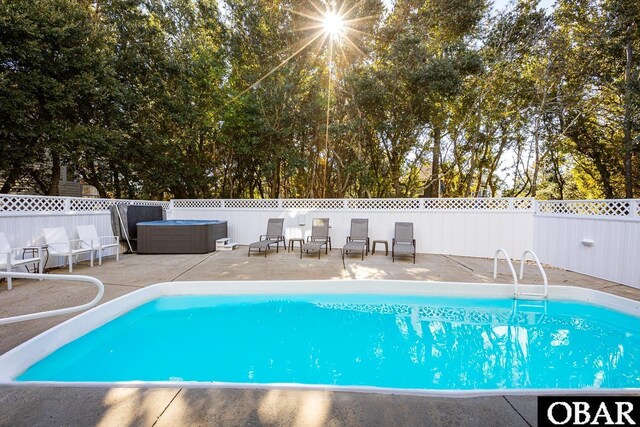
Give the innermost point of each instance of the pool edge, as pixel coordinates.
(20, 358)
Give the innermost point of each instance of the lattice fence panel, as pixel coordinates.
(608, 208)
(31, 204)
(321, 204)
(91, 205)
(466, 204)
(197, 204)
(45, 204)
(383, 204)
(99, 205)
(164, 205)
(251, 203)
(523, 204)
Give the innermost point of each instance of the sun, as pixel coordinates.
(333, 24)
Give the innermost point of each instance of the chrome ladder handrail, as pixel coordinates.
(56, 312)
(510, 264)
(545, 292)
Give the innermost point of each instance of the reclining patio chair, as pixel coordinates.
(403, 242)
(88, 236)
(58, 244)
(319, 237)
(8, 262)
(358, 238)
(274, 235)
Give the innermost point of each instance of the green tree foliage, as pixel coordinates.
(255, 99)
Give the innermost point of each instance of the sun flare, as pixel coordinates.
(333, 24)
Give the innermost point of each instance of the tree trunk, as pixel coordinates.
(433, 189)
(117, 190)
(55, 175)
(12, 176)
(536, 145)
(627, 142)
(91, 177)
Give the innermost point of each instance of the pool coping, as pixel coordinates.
(17, 360)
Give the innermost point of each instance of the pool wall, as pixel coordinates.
(17, 360)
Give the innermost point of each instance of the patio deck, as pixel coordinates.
(170, 406)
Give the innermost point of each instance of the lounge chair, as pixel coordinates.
(8, 262)
(274, 235)
(319, 237)
(403, 242)
(88, 236)
(58, 244)
(358, 238)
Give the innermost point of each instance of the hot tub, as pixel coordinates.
(180, 236)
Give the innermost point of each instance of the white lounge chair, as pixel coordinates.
(88, 236)
(58, 244)
(8, 262)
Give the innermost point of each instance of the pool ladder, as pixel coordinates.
(516, 294)
(49, 313)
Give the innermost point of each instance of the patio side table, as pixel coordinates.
(386, 246)
(300, 240)
(44, 252)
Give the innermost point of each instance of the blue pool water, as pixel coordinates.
(358, 340)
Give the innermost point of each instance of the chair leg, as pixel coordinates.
(99, 256)
(70, 263)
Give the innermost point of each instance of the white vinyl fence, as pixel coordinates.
(469, 227)
(600, 238)
(22, 218)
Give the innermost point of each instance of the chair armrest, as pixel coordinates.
(263, 236)
(21, 248)
(77, 244)
(38, 250)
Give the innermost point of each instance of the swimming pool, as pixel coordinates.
(381, 336)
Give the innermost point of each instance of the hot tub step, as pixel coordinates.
(225, 244)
